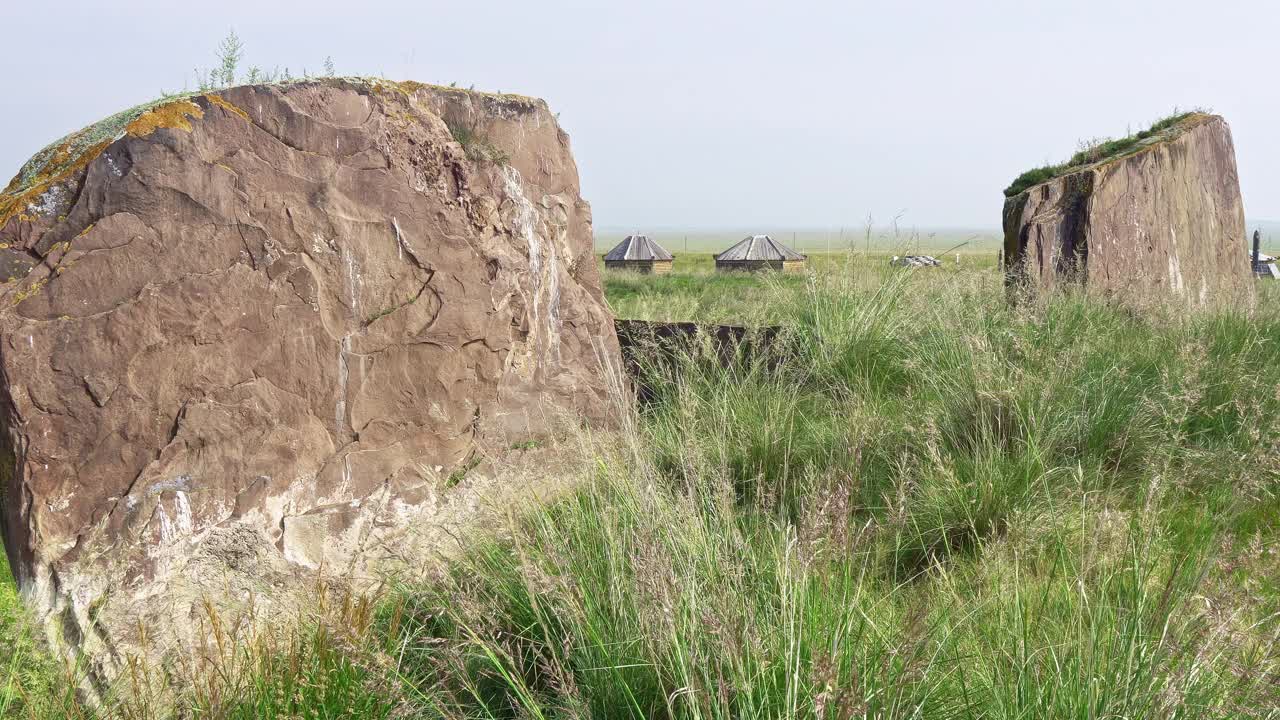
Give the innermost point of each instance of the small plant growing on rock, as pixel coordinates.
(230, 52)
(460, 473)
(1097, 150)
(476, 145)
(226, 73)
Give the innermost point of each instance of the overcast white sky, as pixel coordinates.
(735, 114)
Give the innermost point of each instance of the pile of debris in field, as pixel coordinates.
(1264, 266)
(915, 261)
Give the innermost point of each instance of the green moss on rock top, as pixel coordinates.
(70, 148)
(1109, 150)
(59, 161)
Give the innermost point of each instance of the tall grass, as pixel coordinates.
(940, 507)
(937, 506)
(32, 684)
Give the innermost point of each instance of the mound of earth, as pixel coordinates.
(250, 334)
(1161, 216)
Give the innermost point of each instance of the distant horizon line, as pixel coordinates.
(789, 228)
(1250, 223)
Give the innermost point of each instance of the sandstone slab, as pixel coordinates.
(250, 334)
(1162, 219)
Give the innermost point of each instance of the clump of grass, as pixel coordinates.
(32, 684)
(1096, 151)
(327, 661)
(941, 507)
(460, 473)
(476, 145)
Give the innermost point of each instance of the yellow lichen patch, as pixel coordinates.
(61, 156)
(217, 100)
(170, 115)
(85, 231)
(16, 204)
(35, 289)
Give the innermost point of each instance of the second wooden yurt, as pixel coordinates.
(760, 252)
(641, 254)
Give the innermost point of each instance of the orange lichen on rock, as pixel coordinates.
(217, 99)
(169, 115)
(63, 160)
(61, 167)
(33, 289)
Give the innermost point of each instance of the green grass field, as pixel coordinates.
(940, 506)
(886, 241)
(694, 291)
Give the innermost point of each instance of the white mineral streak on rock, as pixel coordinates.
(340, 405)
(183, 522)
(166, 525)
(48, 204)
(344, 346)
(553, 302)
(544, 267)
(1175, 268)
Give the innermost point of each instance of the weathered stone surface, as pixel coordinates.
(254, 333)
(1163, 220)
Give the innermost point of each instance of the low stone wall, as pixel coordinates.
(654, 351)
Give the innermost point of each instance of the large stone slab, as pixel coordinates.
(249, 334)
(1162, 219)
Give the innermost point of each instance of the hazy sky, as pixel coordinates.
(741, 114)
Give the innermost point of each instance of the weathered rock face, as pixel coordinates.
(1166, 218)
(252, 333)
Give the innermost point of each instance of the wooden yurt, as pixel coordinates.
(760, 252)
(641, 254)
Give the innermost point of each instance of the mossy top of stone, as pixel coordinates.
(492, 101)
(69, 149)
(62, 158)
(1106, 151)
(59, 161)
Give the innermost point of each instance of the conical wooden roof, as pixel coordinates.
(759, 247)
(637, 247)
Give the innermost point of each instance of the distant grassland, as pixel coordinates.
(879, 240)
(938, 506)
(695, 291)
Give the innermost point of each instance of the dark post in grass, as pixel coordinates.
(1257, 250)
